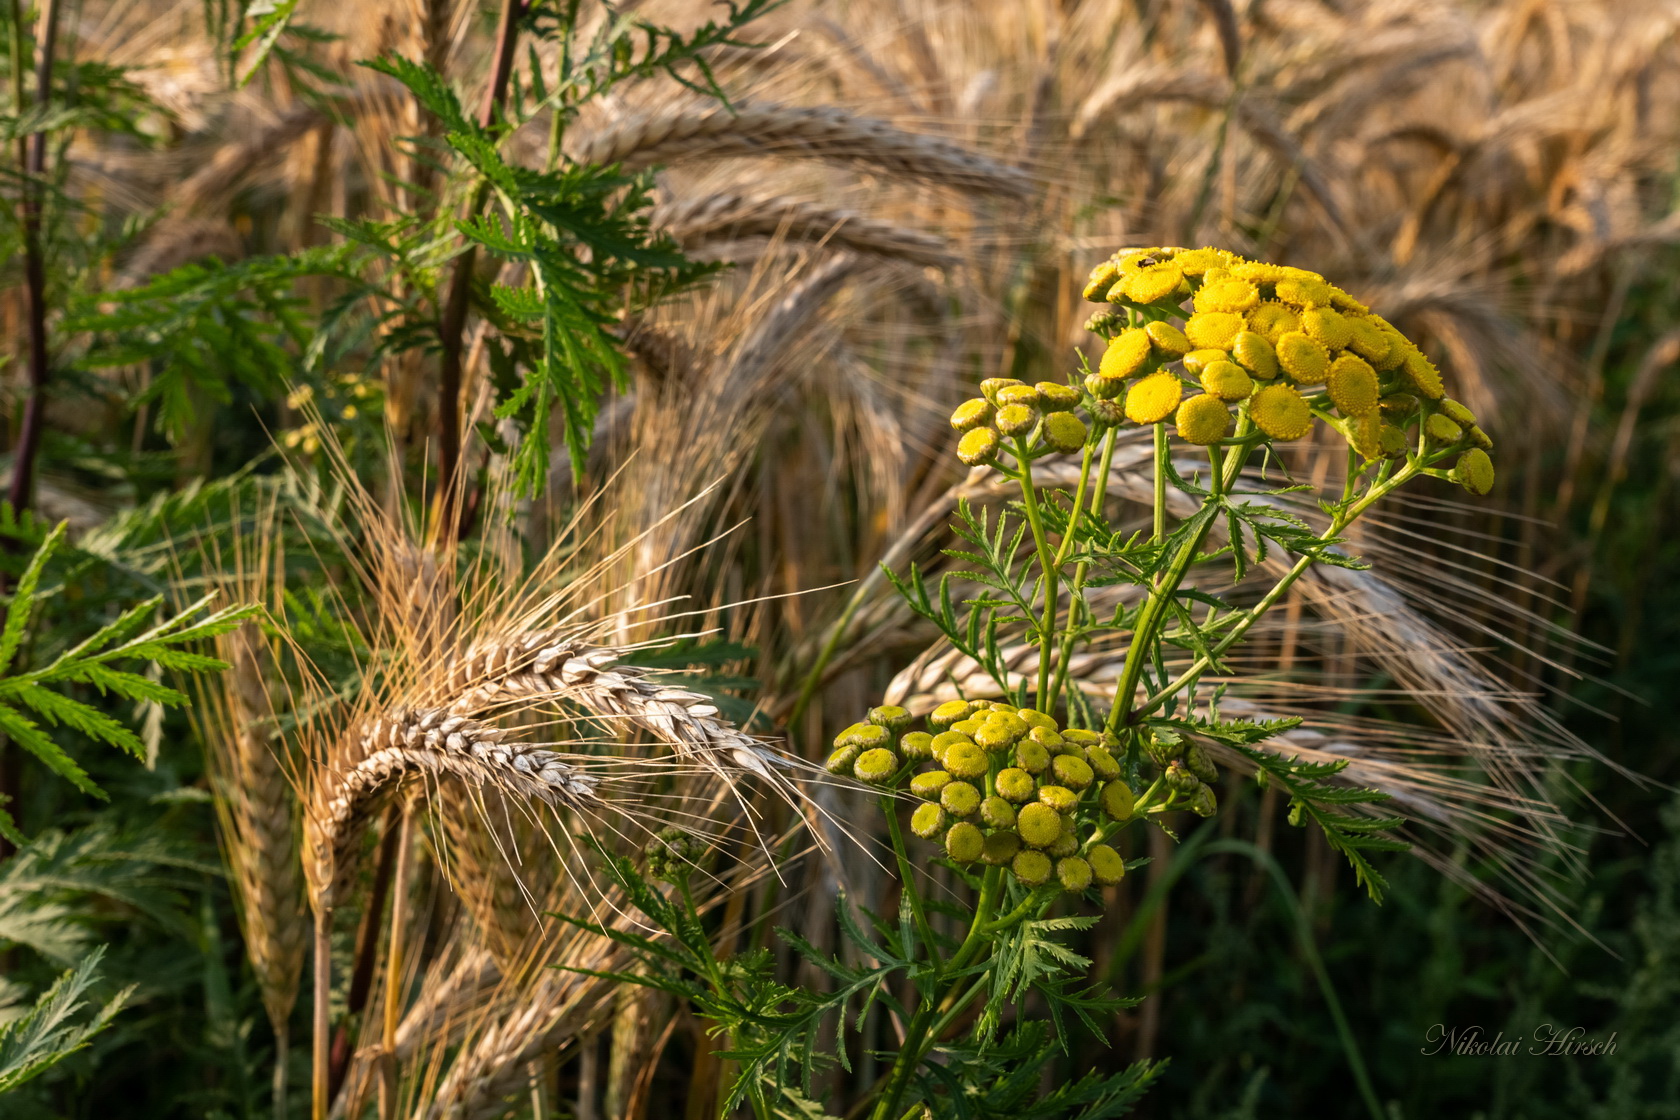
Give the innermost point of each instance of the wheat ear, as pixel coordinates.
(708, 130)
(729, 216)
(254, 801)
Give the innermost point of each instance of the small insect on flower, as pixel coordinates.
(1147, 285)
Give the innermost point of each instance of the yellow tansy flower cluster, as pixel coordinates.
(1000, 785)
(1195, 333)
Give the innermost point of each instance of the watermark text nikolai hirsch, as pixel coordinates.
(1545, 1040)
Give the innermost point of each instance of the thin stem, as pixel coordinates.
(394, 966)
(1046, 563)
(1161, 453)
(906, 876)
(32, 155)
(453, 320)
(1270, 599)
(322, 1026)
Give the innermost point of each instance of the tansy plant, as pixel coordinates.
(1025, 800)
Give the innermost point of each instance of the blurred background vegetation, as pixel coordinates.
(904, 199)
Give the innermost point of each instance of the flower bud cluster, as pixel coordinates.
(1001, 785)
(1187, 771)
(673, 855)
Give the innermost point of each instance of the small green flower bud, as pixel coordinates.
(890, 716)
(1074, 873)
(1106, 865)
(990, 387)
(1200, 764)
(863, 736)
(927, 785)
(1032, 757)
(1103, 764)
(1016, 785)
(1442, 430)
(917, 745)
(1204, 803)
(1016, 419)
(1059, 798)
(673, 855)
(1164, 748)
(876, 766)
(1072, 772)
(1180, 778)
(979, 447)
(1001, 847)
(928, 821)
(1104, 388)
(1064, 432)
(948, 713)
(1066, 844)
(997, 812)
(964, 842)
(971, 414)
(960, 799)
(1055, 395)
(1107, 322)
(1480, 438)
(1081, 736)
(1031, 868)
(1117, 801)
(1107, 414)
(840, 762)
(966, 760)
(1038, 824)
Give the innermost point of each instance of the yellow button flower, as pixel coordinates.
(1280, 412)
(1474, 471)
(1126, 353)
(1231, 295)
(1255, 354)
(1271, 320)
(1353, 385)
(1213, 330)
(1227, 381)
(1302, 357)
(1168, 339)
(1147, 285)
(1326, 325)
(1153, 399)
(1203, 419)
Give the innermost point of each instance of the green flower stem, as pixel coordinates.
(1081, 570)
(1145, 629)
(1046, 562)
(1161, 453)
(918, 1033)
(1270, 599)
(889, 809)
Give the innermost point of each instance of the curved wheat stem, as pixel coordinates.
(708, 130)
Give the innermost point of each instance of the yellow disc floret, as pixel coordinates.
(1203, 419)
(1168, 339)
(1303, 357)
(1474, 471)
(971, 414)
(1214, 330)
(1227, 381)
(1227, 295)
(1327, 326)
(1153, 399)
(1280, 412)
(1255, 354)
(1126, 353)
(978, 448)
(1147, 285)
(1352, 384)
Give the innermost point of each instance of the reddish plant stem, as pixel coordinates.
(32, 153)
(453, 321)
